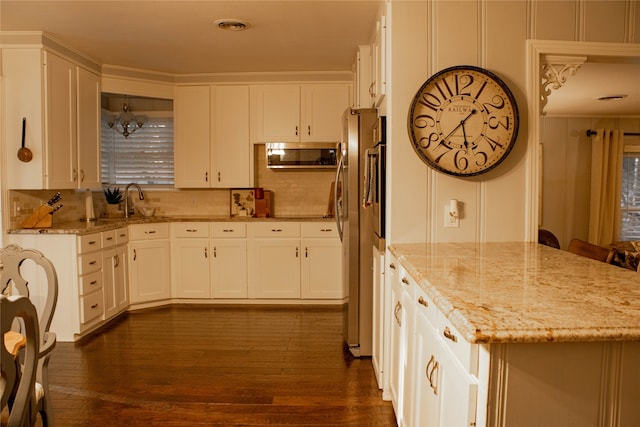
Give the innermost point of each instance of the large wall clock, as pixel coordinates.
(463, 121)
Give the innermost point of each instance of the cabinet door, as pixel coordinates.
(61, 148)
(322, 108)
(120, 276)
(398, 346)
(378, 63)
(149, 270)
(275, 268)
(322, 269)
(229, 268)
(458, 391)
(109, 282)
(88, 129)
(191, 268)
(230, 153)
(191, 141)
(275, 113)
(426, 395)
(378, 326)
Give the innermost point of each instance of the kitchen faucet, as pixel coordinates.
(126, 197)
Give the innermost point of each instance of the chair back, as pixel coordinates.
(547, 238)
(19, 382)
(589, 250)
(12, 282)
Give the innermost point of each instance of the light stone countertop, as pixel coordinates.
(525, 292)
(81, 227)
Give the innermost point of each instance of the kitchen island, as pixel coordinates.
(520, 333)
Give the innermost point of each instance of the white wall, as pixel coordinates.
(427, 36)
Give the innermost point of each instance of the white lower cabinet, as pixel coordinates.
(149, 262)
(274, 260)
(115, 286)
(190, 260)
(229, 260)
(321, 267)
(381, 324)
(289, 260)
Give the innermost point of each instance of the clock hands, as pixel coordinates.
(461, 124)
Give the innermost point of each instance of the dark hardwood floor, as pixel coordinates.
(217, 365)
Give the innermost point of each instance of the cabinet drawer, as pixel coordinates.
(190, 229)
(319, 229)
(275, 229)
(464, 351)
(91, 306)
(89, 242)
(122, 235)
(90, 282)
(228, 229)
(149, 231)
(426, 306)
(108, 239)
(90, 262)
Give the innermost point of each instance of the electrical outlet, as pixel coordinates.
(450, 221)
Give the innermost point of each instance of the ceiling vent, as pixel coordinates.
(232, 24)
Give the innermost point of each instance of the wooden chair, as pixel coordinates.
(12, 283)
(18, 378)
(589, 250)
(547, 238)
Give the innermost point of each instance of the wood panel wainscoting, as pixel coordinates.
(217, 365)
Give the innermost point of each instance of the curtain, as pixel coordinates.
(606, 186)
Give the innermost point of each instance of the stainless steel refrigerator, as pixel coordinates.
(355, 221)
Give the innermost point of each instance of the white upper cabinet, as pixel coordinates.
(294, 113)
(211, 141)
(59, 103)
(88, 129)
(191, 148)
(275, 113)
(231, 161)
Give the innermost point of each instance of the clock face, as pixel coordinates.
(463, 121)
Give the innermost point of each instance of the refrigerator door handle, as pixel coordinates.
(338, 212)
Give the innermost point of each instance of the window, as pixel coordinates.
(144, 157)
(630, 200)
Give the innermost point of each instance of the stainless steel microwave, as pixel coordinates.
(301, 155)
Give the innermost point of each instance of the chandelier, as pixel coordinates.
(125, 123)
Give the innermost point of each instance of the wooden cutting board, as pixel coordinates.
(331, 209)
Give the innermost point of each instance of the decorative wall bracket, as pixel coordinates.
(555, 70)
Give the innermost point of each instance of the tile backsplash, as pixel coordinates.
(296, 193)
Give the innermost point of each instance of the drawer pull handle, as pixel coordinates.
(423, 302)
(92, 262)
(433, 383)
(123, 235)
(405, 281)
(228, 230)
(150, 232)
(116, 261)
(392, 266)
(93, 282)
(191, 230)
(92, 242)
(396, 312)
(109, 238)
(94, 306)
(447, 334)
(326, 230)
(276, 230)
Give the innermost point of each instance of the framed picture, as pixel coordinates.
(242, 202)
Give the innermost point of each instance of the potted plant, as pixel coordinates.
(113, 196)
